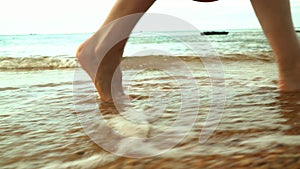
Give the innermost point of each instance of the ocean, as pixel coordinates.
(38, 51)
(40, 124)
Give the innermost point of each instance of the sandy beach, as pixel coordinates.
(259, 127)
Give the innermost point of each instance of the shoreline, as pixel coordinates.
(55, 63)
(259, 127)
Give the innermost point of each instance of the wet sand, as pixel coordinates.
(259, 127)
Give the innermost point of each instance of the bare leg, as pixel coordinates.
(275, 19)
(100, 55)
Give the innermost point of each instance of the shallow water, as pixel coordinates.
(40, 127)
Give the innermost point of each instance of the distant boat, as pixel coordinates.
(298, 31)
(215, 33)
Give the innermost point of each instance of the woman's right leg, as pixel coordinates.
(100, 57)
(276, 21)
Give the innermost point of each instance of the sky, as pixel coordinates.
(86, 16)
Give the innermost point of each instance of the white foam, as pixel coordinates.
(128, 128)
(94, 161)
(36, 63)
(267, 140)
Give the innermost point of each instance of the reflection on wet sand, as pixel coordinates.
(290, 110)
(271, 140)
(259, 127)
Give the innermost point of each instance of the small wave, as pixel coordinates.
(29, 63)
(267, 57)
(51, 84)
(8, 88)
(94, 161)
(46, 62)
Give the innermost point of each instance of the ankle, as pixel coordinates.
(289, 60)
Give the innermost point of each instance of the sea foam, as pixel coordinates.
(28, 63)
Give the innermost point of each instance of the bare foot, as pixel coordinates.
(289, 79)
(102, 66)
